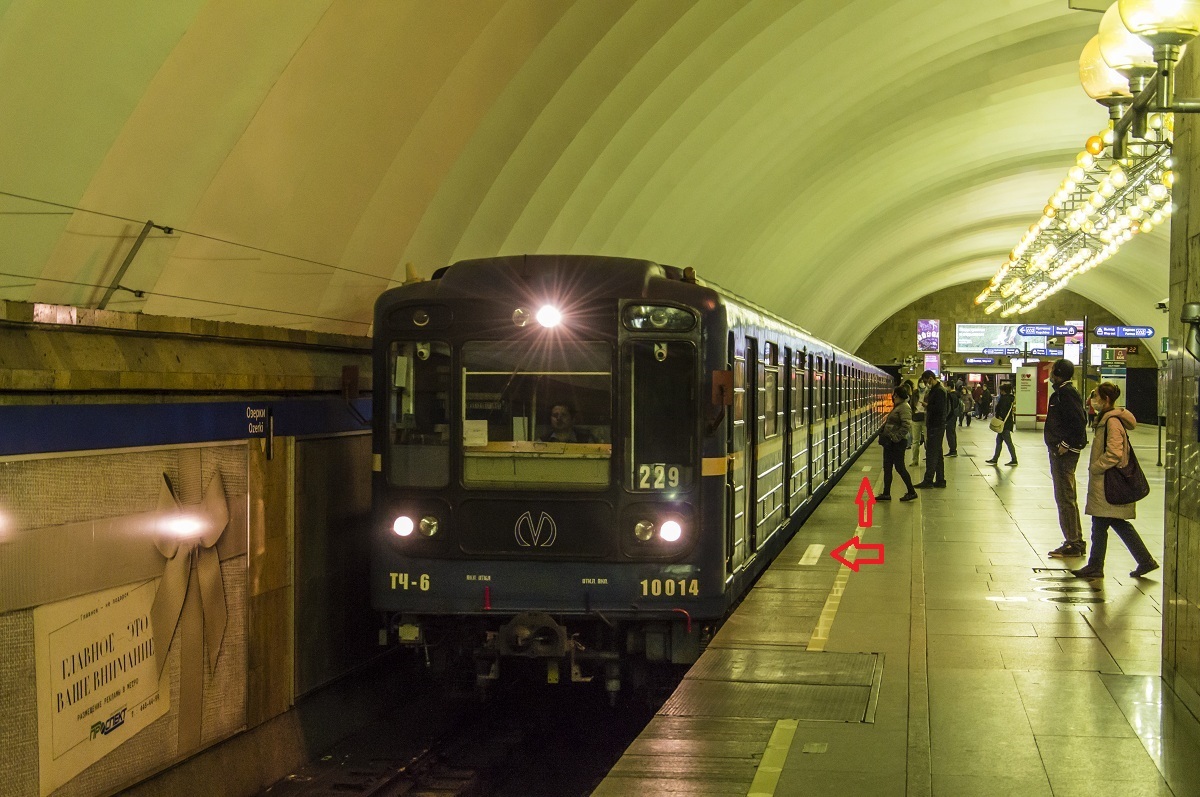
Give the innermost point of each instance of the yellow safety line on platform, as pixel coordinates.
(766, 777)
(820, 634)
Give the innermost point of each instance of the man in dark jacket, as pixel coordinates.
(1066, 435)
(937, 410)
(955, 402)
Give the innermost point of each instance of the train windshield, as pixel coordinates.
(536, 418)
(419, 414)
(663, 434)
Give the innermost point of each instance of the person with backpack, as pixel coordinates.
(1111, 449)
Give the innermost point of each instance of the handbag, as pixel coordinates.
(996, 424)
(1125, 485)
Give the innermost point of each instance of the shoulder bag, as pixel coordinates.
(1125, 485)
(996, 424)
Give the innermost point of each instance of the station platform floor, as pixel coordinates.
(967, 663)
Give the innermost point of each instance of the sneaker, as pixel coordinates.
(883, 497)
(922, 485)
(1014, 462)
(939, 484)
(1068, 550)
(952, 454)
(1140, 570)
(911, 495)
(991, 461)
(1089, 571)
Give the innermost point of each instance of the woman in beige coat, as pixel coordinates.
(1110, 448)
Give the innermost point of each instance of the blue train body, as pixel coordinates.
(587, 460)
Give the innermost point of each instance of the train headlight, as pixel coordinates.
(403, 526)
(644, 530)
(549, 316)
(429, 525)
(658, 317)
(670, 531)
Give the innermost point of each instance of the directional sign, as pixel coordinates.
(1123, 332)
(980, 360)
(858, 545)
(1045, 330)
(1046, 352)
(866, 501)
(1010, 352)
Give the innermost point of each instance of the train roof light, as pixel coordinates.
(549, 316)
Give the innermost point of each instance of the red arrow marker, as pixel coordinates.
(865, 505)
(837, 552)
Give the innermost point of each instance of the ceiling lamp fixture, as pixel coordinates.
(1120, 185)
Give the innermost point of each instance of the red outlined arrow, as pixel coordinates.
(865, 505)
(858, 545)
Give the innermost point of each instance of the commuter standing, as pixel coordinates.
(917, 399)
(985, 404)
(954, 402)
(937, 408)
(968, 408)
(1004, 409)
(1065, 435)
(977, 396)
(1110, 448)
(895, 435)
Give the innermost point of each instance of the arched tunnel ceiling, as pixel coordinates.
(833, 161)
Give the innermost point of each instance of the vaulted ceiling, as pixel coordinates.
(833, 160)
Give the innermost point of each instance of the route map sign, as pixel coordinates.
(1123, 332)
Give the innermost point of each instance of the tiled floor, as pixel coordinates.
(1003, 674)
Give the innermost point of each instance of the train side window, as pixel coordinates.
(664, 401)
(419, 414)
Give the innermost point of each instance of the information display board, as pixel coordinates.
(974, 338)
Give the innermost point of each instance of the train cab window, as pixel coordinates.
(536, 418)
(419, 414)
(663, 406)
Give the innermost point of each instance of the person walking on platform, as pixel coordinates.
(954, 402)
(968, 408)
(1004, 409)
(937, 409)
(1110, 449)
(894, 437)
(1065, 435)
(984, 408)
(917, 399)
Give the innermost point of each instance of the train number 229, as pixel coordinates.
(656, 587)
(657, 476)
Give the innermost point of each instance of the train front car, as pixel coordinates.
(539, 424)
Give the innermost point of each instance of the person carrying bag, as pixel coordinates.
(1115, 483)
(1003, 423)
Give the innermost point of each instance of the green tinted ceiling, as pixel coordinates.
(833, 161)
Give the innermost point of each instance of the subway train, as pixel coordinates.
(582, 461)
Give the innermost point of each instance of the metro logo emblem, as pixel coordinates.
(539, 535)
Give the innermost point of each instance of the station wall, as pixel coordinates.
(1181, 568)
(244, 436)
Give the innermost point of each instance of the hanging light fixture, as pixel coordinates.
(1120, 185)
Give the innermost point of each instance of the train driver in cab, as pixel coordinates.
(563, 428)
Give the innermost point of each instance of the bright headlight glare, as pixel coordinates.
(403, 526)
(670, 531)
(549, 316)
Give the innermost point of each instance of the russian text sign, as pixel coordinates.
(1045, 330)
(97, 680)
(1123, 332)
(1008, 352)
(980, 360)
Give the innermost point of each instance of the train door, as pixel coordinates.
(800, 449)
(735, 524)
(769, 453)
(817, 423)
(833, 414)
(789, 412)
(754, 429)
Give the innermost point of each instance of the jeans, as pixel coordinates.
(918, 432)
(1128, 535)
(935, 465)
(1005, 437)
(1062, 471)
(893, 457)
